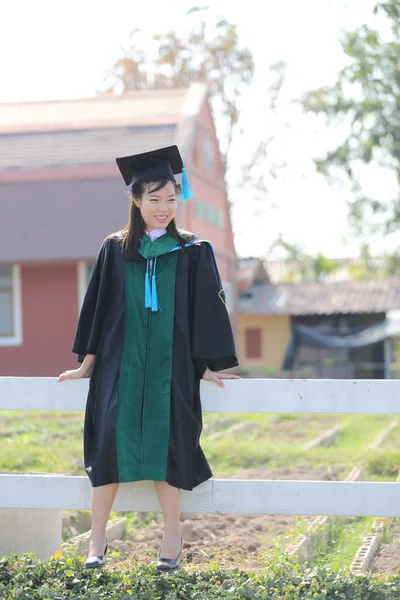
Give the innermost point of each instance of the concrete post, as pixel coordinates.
(387, 349)
(30, 530)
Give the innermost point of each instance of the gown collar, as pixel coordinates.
(155, 233)
(159, 246)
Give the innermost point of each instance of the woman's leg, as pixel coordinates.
(102, 501)
(169, 498)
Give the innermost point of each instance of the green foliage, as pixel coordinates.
(308, 268)
(41, 441)
(384, 462)
(366, 98)
(273, 441)
(322, 265)
(63, 578)
(346, 536)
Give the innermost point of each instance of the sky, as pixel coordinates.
(52, 49)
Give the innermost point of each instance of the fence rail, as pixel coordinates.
(50, 493)
(223, 496)
(341, 396)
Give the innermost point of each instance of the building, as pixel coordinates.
(61, 193)
(346, 329)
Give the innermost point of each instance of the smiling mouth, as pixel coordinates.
(161, 218)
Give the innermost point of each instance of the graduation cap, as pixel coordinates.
(164, 162)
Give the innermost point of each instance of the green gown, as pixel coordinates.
(155, 325)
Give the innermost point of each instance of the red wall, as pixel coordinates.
(49, 318)
(49, 293)
(210, 188)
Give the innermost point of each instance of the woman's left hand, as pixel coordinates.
(218, 377)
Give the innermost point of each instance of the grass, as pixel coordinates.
(52, 442)
(281, 442)
(346, 537)
(393, 440)
(138, 521)
(256, 426)
(41, 441)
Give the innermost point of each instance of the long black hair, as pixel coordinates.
(134, 230)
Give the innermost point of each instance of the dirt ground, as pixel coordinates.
(387, 560)
(230, 540)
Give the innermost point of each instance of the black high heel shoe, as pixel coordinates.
(93, 562)
(170, 564)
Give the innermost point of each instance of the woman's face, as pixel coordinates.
(157, 208)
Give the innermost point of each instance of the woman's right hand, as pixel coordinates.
(74, 374)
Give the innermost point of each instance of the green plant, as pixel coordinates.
(64, 578)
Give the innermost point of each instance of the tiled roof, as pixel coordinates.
(90, 131)
(35, 150)
(157, 107)
(361, 296)
(66, 217)
(251, 270)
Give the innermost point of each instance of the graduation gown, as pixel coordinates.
(143, 415)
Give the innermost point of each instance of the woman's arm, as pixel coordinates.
(213, 347)
(87, 365)
(95, 304)
(217, 377)
(92, 315)
(85, 370)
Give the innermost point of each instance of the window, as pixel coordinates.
(206, 212)
(84, 271)
(10, 306)
(88, 272)
(195, 154)
(180, 208)
(228, 289)
(253, 343)
(208, 152)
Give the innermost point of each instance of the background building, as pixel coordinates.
(338, 329)
(61, 193)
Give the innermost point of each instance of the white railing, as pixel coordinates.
(54, 492)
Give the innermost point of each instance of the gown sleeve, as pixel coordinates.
(212, 338)
(94, 307)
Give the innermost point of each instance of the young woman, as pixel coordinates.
(152, 324)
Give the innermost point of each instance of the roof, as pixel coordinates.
(84, 147)
(361, 296)
(59, 182)
(154, 107)
(36, 135)
(251, 270)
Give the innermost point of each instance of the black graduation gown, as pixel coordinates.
(202, 337)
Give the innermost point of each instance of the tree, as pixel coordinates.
(304, 267)
(209, 53)
(366, 99)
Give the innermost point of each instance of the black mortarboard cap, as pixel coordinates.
(163, 162)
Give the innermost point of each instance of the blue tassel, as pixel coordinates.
(187, 192)
(147, 290)
(154, 296)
